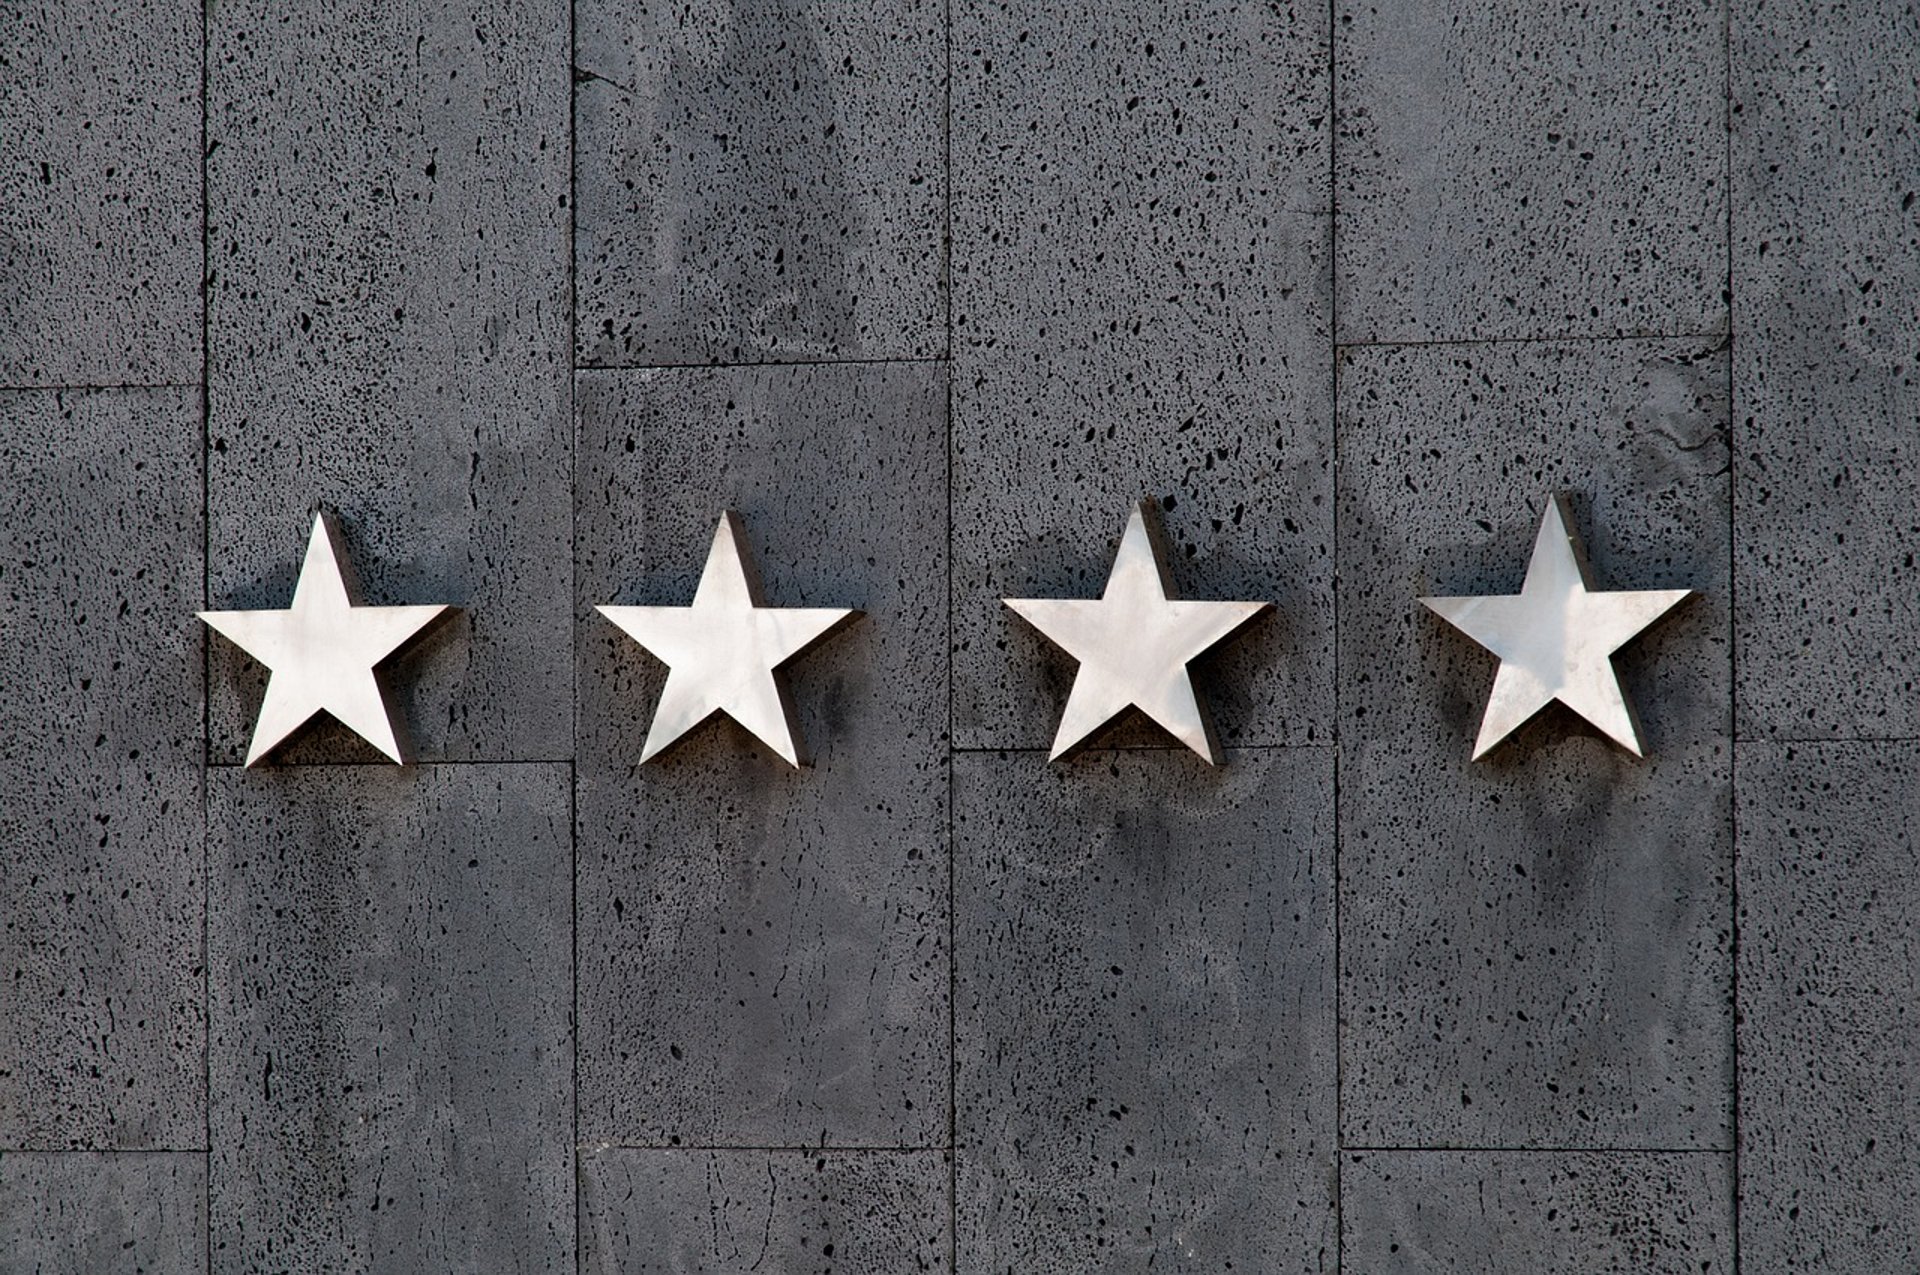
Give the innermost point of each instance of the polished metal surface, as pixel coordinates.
(323, 649)
(723, 653)
(1134, 643)
(1556, 637)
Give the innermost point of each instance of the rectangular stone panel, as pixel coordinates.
(1536, 947)
(84, 1211)
(1826, 279)
(100, 193)
(1829, 1010)
(1527, 170)
(1144, 1012)
(1524, 1212)
(103, 871)
(391, 1049)
(760, 182)
(684, 1211)
(1141, 308)
(387, 189)
(763, 954)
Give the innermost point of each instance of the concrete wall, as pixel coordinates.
(929, 290)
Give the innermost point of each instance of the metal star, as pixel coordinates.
(323, 649)
(1556, 637)
(722, 652)
(1134, 644)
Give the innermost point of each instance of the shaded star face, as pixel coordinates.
(723, 653)
(1134, 644)
(322, 651)
(1556, 638)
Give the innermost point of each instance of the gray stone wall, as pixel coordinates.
(929, 290)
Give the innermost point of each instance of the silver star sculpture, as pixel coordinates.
(322, 651)
(1134, 643)
(723, 653)
(1556, 637)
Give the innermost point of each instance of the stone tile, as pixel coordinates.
(101, 1037)
(144, 1213)
(1141, 307)
(1522, 1212)
(1536, 947)
(391, 1056)
(387, 189)
(849, 1212)
(760, 182)
(100, 195)
(1527, 170)
(1826, 261)
(1830, 1033)
(1144, 1013)
(763, 955)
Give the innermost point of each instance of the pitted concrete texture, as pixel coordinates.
(1537, 946)
(847, 1212)
(1141, 308)
(1144, 1012)
(763, 950)
(101, 1039)
(760, 182)
(1830, 1022)
(1489, 155)
(391, 1054)
(1826, 259)
(388, 328)
(144, 1213)
(1524, 1212)
(100, 193)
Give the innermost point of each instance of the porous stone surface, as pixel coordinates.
(388, 329)
(1489, 155)
(1141, 308)
(1523, 1212)
(143, 1213)
(845, 1212)
(1144, 1012)
(1830, 1019)
(1536, 947)
(100, 193)
(763, 955)
(760, 182)
(390, 1045)
(101, 884)
(1826, 260)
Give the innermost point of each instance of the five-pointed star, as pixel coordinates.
(1133, 645)
(322, 651)
(722, 652)
(1556, 637)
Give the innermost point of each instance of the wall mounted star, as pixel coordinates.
(1556, 637)
(323, 650)
(723, 654)
(1134, 644)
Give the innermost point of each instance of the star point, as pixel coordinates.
(724, 652)
(1556, 638)
(1133, 645)
(322, 651)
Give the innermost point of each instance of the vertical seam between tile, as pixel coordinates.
(1733, 646)
(1336, 728)
(953, 957)
(573, 601)
(206, 673)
